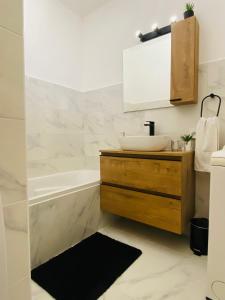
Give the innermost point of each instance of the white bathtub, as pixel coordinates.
(64, 209)
(41, 188)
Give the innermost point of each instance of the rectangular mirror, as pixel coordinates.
(146, 75)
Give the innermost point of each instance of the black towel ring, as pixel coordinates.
(211, 96)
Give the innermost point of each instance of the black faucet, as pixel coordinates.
(151, 126)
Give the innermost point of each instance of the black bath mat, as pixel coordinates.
(87, 270)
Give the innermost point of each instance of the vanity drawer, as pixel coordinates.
(160, 212)
(163, 176)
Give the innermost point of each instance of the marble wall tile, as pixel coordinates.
(94, 120)
(11, 53)
(61, 222)
(68, 164)
(202, 194)
(52, 108)
(12, 161)
(50, 166)
(55, 124)
(212, 81)
(20, 290)
(12, 152)
(16, 228)
(11, 15)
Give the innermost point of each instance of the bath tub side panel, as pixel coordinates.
(59, 223)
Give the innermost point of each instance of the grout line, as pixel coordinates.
(118, 83)
(29, 77)
(11, 118)
(11, 31)
(15, 203)
(81, 91)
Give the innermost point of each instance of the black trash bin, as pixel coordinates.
(199, 236)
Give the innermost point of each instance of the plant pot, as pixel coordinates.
(188, 146)
(188, 14)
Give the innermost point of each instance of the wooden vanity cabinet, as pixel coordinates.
(155, 188)
(184, 61)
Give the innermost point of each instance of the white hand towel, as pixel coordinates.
(207, 142)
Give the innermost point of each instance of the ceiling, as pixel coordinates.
(84, 7)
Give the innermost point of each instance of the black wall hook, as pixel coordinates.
(211, 96)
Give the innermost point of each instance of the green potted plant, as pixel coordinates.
(188, 138)
(189, 10)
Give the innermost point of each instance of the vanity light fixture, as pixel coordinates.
(173, 19)
(138, 34)
(155, 27)
(156, 32)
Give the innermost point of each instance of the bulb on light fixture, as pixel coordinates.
(154, 27)
(138, 34)
(173, 19)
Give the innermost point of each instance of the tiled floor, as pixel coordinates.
(38, 293)
(167, 269)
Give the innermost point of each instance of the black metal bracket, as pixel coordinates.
(211, 96)
(154, 34)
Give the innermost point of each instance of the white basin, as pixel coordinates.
(144, 143)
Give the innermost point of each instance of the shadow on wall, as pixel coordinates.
(202, 194)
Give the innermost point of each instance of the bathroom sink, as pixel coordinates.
(144, 143)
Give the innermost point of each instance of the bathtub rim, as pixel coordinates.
(54, 196)
(67, 172)
(64, 191)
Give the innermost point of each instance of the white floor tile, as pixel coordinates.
(38, 293)
(166, 270)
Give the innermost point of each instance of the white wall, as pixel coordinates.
(111, 28)
(62, 48)
(53, 42)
